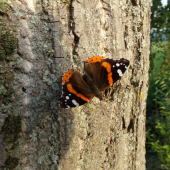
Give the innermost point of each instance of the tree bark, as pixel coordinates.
(54, 36)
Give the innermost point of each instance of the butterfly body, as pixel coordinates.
(100, 74)
(94, 89)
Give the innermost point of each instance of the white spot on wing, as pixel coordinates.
(113, 66)
(67, 97)
(117, 64)
(67, 106)
(119, 72)
(75, 102)
(69, 94)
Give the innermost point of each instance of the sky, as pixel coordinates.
(164, 2)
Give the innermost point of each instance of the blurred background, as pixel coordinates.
(158, 102)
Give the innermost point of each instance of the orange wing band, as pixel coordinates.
(67, 75)
(71, 90)
(94, 59)
(108, 68)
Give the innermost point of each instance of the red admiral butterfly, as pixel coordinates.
(101, 73)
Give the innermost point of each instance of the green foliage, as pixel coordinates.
(160, 141)
(157, 58)
(167, 24)
(158, 19)
(158, 103)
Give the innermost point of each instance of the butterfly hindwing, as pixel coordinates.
(75, 91)
(68, 99)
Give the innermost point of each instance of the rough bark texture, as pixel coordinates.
(54, 35)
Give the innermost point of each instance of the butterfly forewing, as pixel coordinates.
(118, 67)
(106, 72)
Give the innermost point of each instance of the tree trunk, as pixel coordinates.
(52, 37)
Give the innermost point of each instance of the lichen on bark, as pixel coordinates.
(12, 125)
(8, 42)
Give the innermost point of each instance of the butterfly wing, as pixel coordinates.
(105, 72)
(98, 74)
(115, 68)
(75, 91)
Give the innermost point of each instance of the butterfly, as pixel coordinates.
(100, 74)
